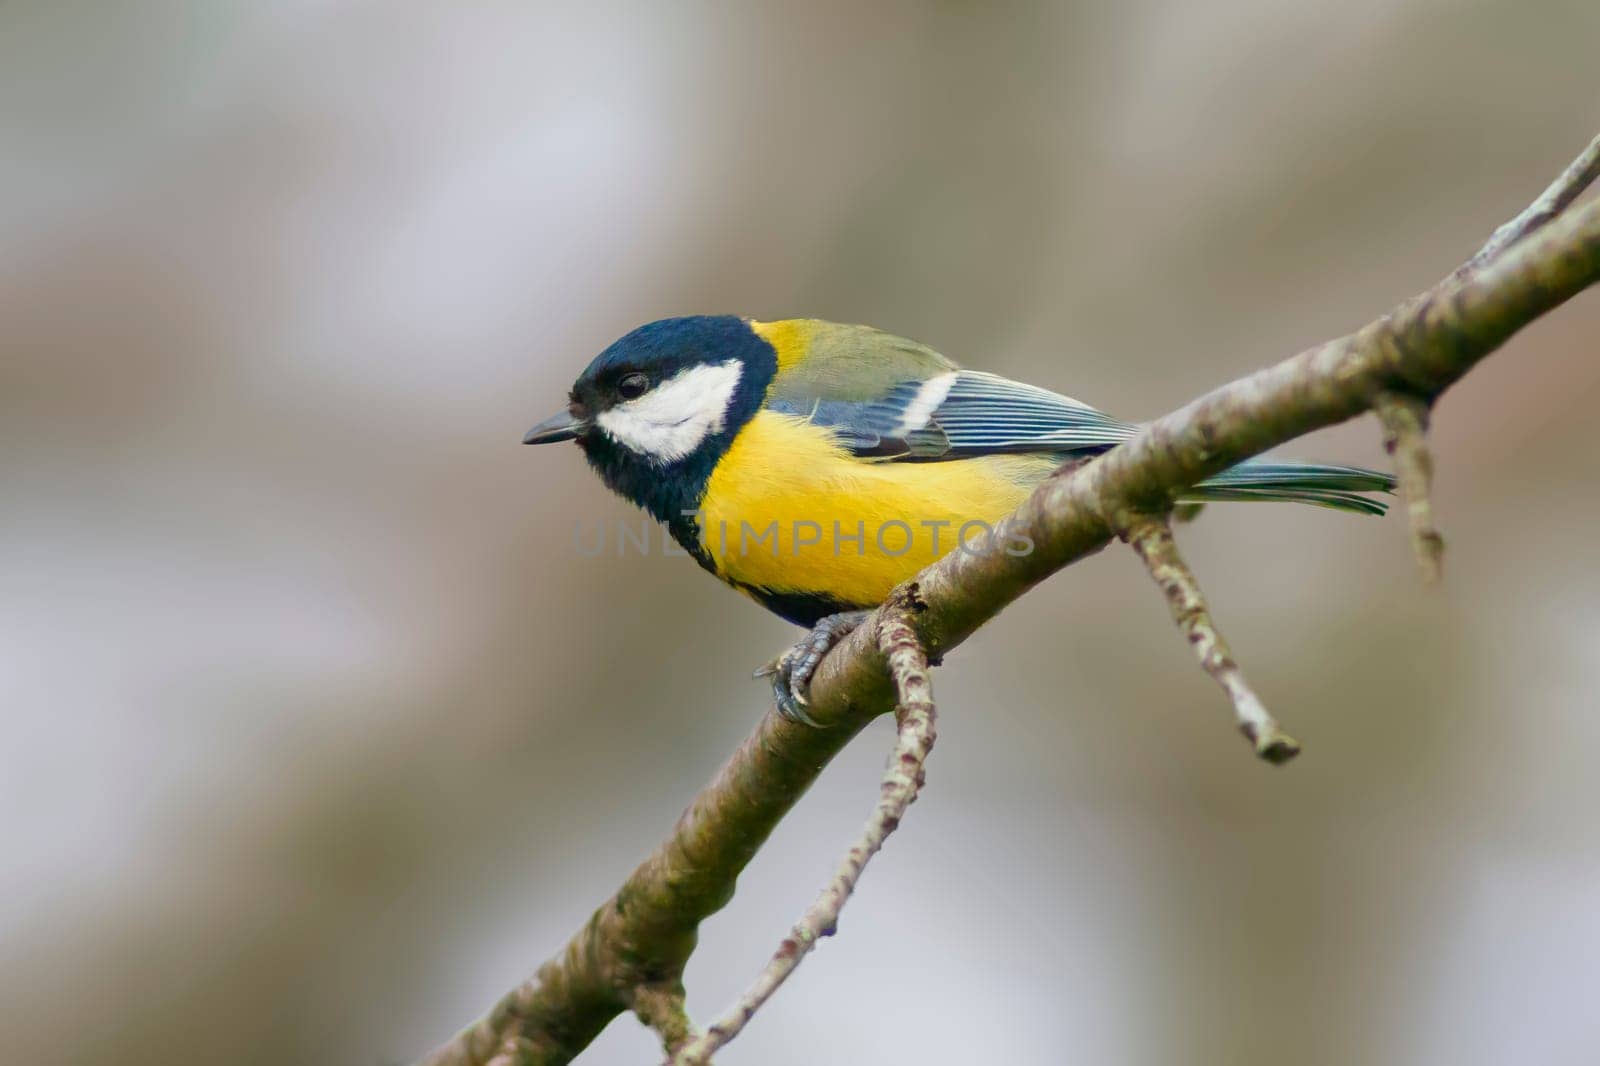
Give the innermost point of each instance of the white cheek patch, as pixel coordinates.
(674, 418)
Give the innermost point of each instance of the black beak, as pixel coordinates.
(563, 426)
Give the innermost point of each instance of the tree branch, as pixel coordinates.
(1405, 436)
(902, 779)
(1405, 416)
(633, 949)
(1152, 539)
(1567, 187)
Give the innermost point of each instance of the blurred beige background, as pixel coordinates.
(319, 734)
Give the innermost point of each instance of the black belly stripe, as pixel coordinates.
(801, 608)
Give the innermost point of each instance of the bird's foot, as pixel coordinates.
(791, 672)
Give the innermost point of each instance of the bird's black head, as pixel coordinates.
(656, 410)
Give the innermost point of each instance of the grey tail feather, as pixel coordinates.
(1338, 487)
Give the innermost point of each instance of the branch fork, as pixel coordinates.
(902, 779)
(631, 953)
(1404, 413)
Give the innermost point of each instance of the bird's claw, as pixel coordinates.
(791, 672)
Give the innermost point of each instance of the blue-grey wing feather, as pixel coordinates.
(888, 400)
(962, 414)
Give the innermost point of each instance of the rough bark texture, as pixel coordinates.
(1151, 538)
(632, 952)
(902, 779)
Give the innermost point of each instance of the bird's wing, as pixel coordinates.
(892, 400)
(985, 414)
(958, 414)
(889, 398)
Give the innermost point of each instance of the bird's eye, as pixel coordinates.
(632, 386)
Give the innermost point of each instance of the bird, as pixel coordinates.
(814, 466)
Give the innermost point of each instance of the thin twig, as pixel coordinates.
(902, 778)
(1578, 176)
(1405, 416)
(1405, 436)
(1151, 537)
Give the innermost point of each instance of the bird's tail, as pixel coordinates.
(1338, 487)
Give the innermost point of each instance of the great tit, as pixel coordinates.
(815, 466)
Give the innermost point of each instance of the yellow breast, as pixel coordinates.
(788, 510)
